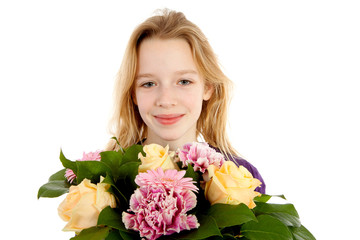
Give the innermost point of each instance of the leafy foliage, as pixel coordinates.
(54, 188)
(267, 227)
(286, 213)
(231, 215)
(93, 233)
(266, 221)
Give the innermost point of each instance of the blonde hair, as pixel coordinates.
(126, 124)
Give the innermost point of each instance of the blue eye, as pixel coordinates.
(148, 84)
(184, 82)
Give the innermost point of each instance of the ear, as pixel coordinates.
(208, 91)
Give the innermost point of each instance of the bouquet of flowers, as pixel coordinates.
(148, 192)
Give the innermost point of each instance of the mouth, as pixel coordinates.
(168, 119)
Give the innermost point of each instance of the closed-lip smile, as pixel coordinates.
(168, 119)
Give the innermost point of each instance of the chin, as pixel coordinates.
(170, 137)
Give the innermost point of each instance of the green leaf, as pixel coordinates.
(119, 235)
(108, 179)
(112, 218)
(130, 170)
(91, 170)
(228, 237)
(192, 174)
(262, 198)
(301, 233)
(208, 228)
(129, 236)
(93, 233)
(286, 213)
(53, 189)
(115, 138)
(113, 160)
(132, 152)
(267, 228)
(114, 235)
(227, 215)
(265, 197)
(279, 196)
(67, 163)
(116, 141)
(60, 175)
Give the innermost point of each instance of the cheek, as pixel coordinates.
(140, 98)
(144, 104)
(194, 101)
(143, 107)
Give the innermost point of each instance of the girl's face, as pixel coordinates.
(169, 91)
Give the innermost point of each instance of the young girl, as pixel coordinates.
(170, 90)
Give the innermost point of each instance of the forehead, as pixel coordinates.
(156, 54)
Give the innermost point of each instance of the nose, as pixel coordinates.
(166, 97)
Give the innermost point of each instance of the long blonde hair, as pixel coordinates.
(127, 125)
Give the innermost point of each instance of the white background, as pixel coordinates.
(295, 110)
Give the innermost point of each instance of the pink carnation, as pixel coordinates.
(160, 205)
(90, 156)
(200, 156)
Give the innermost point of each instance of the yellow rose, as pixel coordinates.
(83, 204)
(156, 156)
(230, 184)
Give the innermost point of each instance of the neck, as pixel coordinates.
(173, 144)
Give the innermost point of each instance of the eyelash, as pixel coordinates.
(146, 85)
(183, 82)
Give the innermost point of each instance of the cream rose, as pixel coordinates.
(230, 184)
(83, 204)
(156, 156)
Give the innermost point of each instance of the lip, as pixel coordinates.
(168, 119)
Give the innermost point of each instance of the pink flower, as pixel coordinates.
(90, 156)
(170, 179)
(160, 205)
(200, 156)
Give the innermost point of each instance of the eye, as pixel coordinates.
(148, 84)
(184, 82)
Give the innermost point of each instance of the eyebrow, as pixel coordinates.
(180, 72)
(144, 75)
